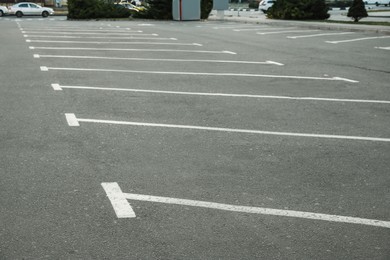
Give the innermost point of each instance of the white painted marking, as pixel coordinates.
(43, 68)
(71, 119)
(36, 56)
(119, 49)
(124, 43)
(58, 87)
(263, 29)
(66, 30)
(170, 60)
(100, 37)
(118, 200)
(117, 194)
(233, 130)
(359, 39)
(91, 33)
(318, 35)
(288, 31)
(204, 74)
(383, 48)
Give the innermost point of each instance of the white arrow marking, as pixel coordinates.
(202, 74)
(115, 194)
(58, 87)
(118, 201)
(118, 49)
(124, 43)
(220, 129)
(148, 59)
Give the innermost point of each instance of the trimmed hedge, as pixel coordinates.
(94, 9)
(299, 10)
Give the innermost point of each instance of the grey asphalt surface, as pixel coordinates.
(54, 207)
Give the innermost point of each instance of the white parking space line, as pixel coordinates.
(221, 129)
(118, 201)
(65, 30)
(98, 37)
(116, 196)
(383, 48)
(60, 87)
(134, 50)
(44, 68)
(124, 43)
(263, 29)
(151, 59)
(359, 39)
(318, 35)
(92, 33)
(287, 31)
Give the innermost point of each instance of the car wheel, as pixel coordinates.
(19, 14)
(1, 13)
(45, 14)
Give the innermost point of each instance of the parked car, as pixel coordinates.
(3, 10)
(26, 8)
(265, 5)
(377, 2)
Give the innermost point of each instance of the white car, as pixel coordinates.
(265, 5)
(3, 10)
(26, 8)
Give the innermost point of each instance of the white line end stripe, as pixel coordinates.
(43, 68)
(71, 119)
(118, 201)
(56, 87)
(36, 56)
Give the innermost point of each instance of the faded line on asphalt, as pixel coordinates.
(60, 87)
(74, 121)
(116, 196)
(44, 68)
(318, 35)
(359, 39)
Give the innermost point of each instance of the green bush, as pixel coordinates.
(299, 10)
(357, 11)
(94, 9)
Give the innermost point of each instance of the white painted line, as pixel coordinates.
(170, 60)
(383, 48)
(205, 74)
(71, 119)
(318, 35)
(119, 49)
(124, 43)
(233, 130)
(118, 200)
(359, 39)
(90, 33)
(100, 37)
(288, 31)
(66, 30)
(43, 68)
(59, 87)
(117, 195)
(264, 29)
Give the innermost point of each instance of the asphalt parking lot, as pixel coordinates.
(193, 140)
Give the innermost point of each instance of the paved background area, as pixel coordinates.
(265, 117)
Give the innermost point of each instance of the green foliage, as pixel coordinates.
(357, 11)
(299, 10)
(206, 8)
(94, 9)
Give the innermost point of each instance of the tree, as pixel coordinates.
(299, 10)
(357, 11)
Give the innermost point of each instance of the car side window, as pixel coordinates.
(33, 6)
(23, 5)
